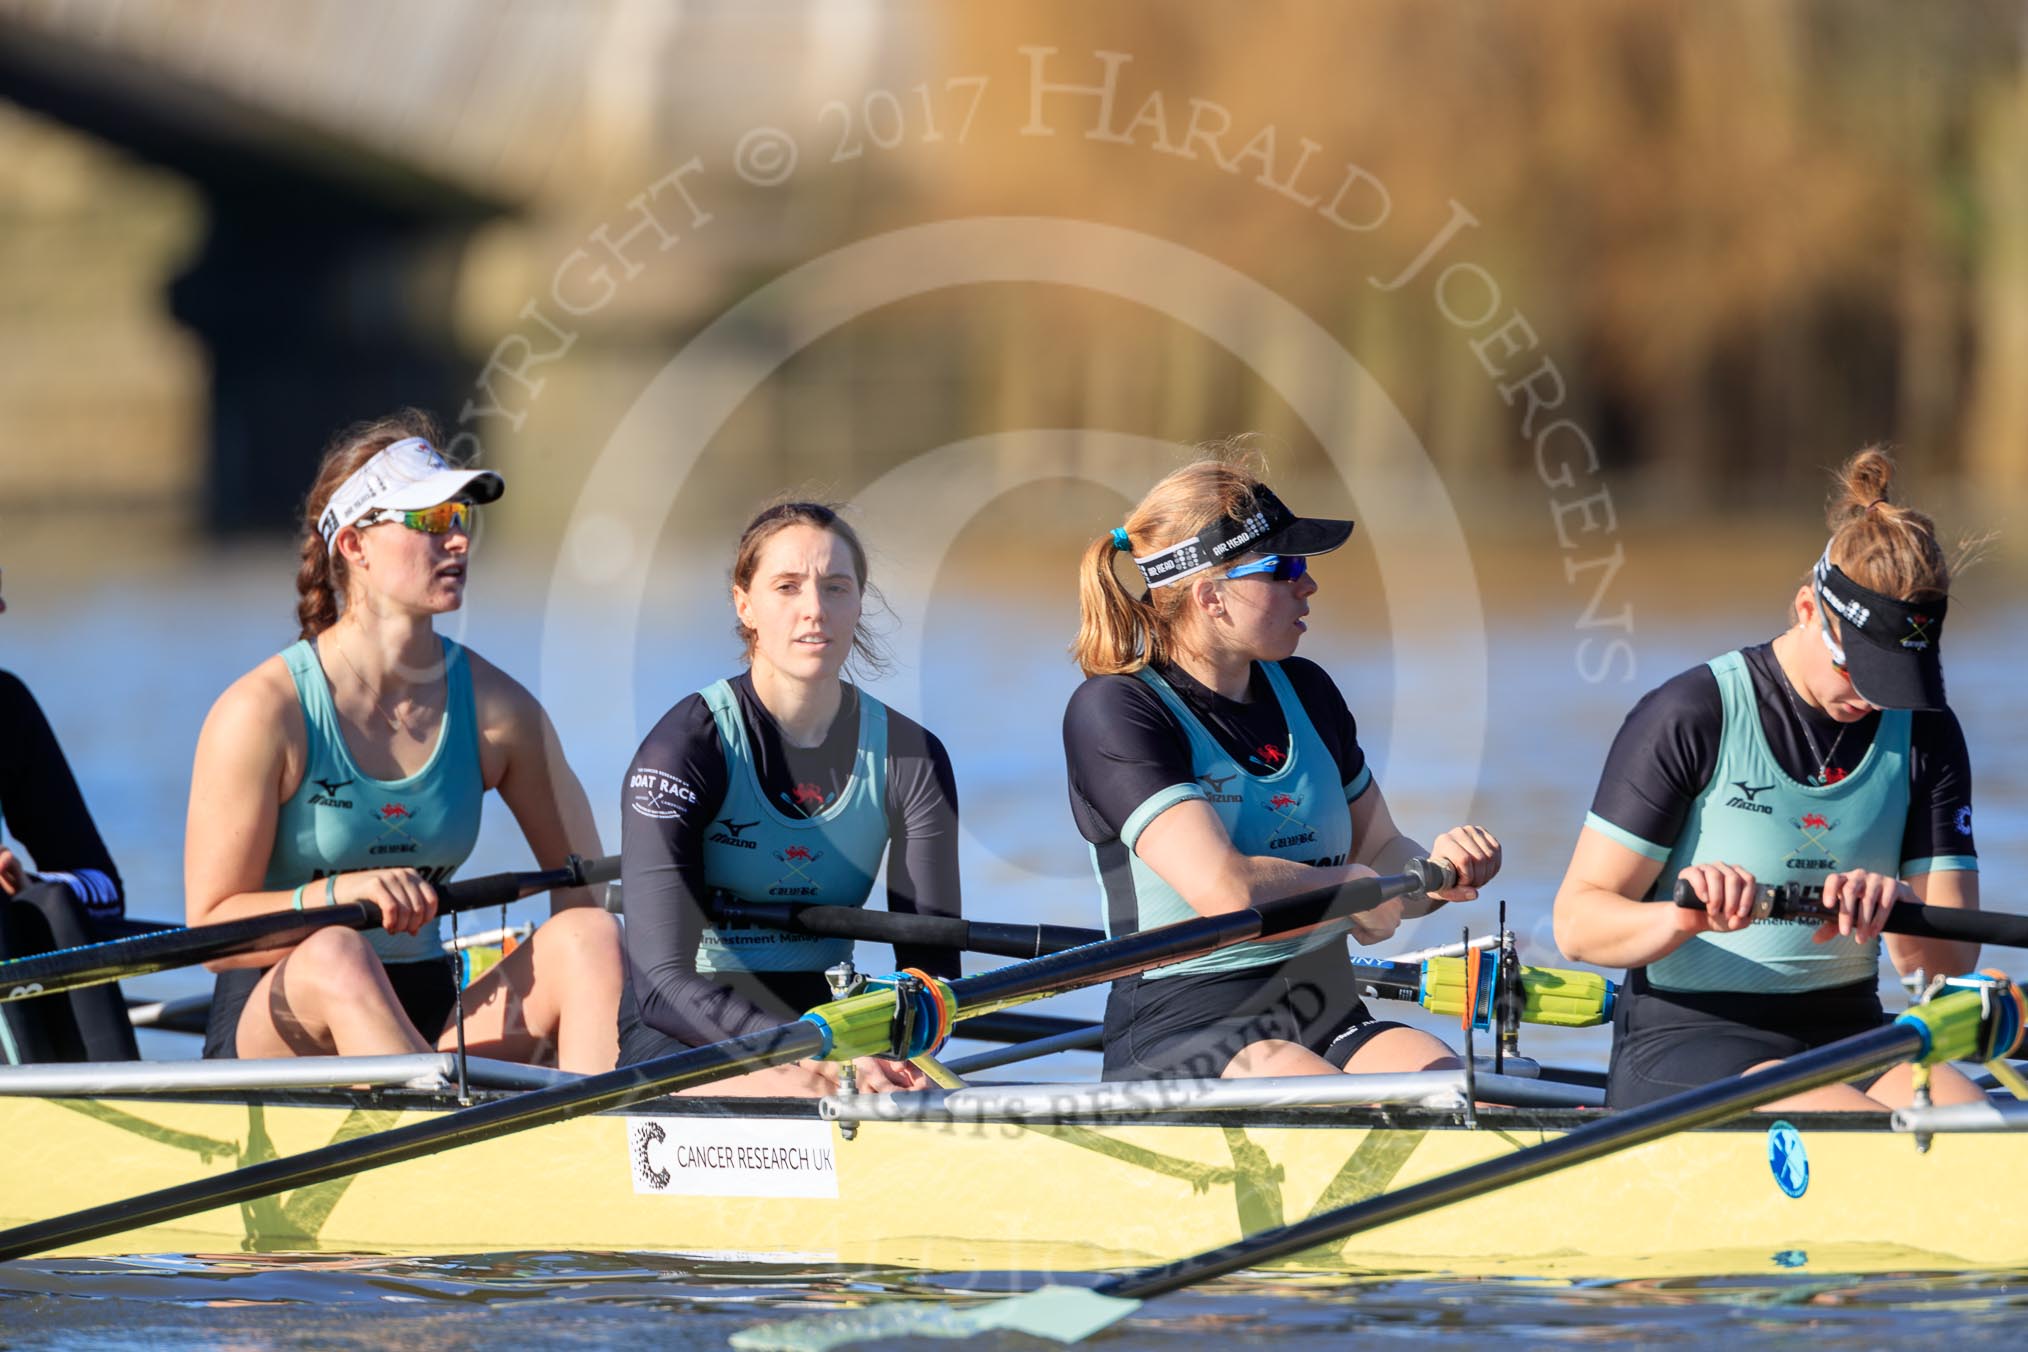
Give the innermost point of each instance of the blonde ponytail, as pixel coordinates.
(1121, 630)
(1112, 629)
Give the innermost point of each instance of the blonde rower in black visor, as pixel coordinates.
(1212, 769)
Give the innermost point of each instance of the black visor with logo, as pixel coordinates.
(1261, 526)
(1892, 648)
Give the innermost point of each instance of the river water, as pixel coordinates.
(126, 663)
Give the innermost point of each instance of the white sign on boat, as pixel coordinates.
(731, 1157)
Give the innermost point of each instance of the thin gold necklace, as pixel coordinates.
(380, 706)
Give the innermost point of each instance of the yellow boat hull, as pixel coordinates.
(772, 1182)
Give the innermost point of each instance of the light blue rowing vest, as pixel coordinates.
(1297, 812)
(757, 851)
(339, 820)
(1753, 815)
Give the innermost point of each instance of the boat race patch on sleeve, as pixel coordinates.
(658, 794)
(731, 1157)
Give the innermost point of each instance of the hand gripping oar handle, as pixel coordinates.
(1802, 905)
(121, 959)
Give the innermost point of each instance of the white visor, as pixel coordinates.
(404, 477)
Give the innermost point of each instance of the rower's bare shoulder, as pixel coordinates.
(263, 700)
(255, 727)
(505, 708)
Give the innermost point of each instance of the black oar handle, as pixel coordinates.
(979, 936)
(899, 927)
(1794, 902)
(1771, 901)
(121, 959)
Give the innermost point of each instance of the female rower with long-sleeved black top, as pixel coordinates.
(73, 894)
(784, 783)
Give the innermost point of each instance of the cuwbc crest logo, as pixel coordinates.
(394, 819)
(1289, 828)
(796, 882)
(1814, 851)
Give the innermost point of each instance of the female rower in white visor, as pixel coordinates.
(351, 767)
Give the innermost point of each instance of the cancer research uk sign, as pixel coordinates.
(731, 1157)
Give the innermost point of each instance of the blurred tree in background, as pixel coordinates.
(1752, 236)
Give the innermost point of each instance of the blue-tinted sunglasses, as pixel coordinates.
(1280, 567)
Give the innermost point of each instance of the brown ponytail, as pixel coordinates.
(1880, 545)
(1121, 629)
(320, 576)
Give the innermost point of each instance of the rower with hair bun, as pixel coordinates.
(352, 767)
(1212, 769)
(1828, 757)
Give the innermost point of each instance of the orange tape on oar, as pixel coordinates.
(1473, 965)
(941, 1003)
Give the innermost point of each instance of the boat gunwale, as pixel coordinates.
(1401, 1117)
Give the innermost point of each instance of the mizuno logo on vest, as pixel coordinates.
(1216, 784)
(1747, 804)
(329, 797)
(722, 838)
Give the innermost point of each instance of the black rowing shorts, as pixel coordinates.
(1190, 1027)
(1667, 1041)
(427, 990)
(784, 995)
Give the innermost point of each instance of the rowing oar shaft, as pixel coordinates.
(1793, 902)
(1905, 1039)
(840, 1030)
(121, 959)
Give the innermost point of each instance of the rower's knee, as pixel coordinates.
(1275, 1056)
(585, 938)
(1393, 1051)
(333, 963)
(577, 957)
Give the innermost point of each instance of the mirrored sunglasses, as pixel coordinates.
(456, 514)
(1282, 568)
